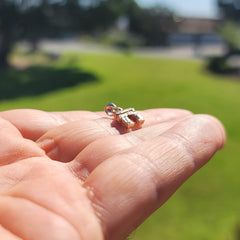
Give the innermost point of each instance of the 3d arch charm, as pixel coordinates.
(129, 118)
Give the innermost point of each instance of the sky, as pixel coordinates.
(188, 8)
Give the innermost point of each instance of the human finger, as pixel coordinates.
(13, 147)
(34, 123)
(66, 141)
(98, 151)
(32, 218)
(7, 235)
(128, 187)
(24, 200)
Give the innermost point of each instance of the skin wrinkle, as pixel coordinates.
(76, 132)
(5, 124)
(134, 139)
(20, 155)
(6, 193)
(182, 143)
(171, 116)
(68, 118)
(53, 144)
(169, 149)
(89, 136)
(153, 168)
(7, 116)
(155, 179)
(10, 232)
(186, 159)
(131, 139)
(50, 147)
(19, 176)
(104, 127)
(126, 140)
(8, 126)
(95, 198)
(186, 144)
(156, 176)
(44, 207)
(47, 209)
(5, 128)
(97, 201)
(12, 181)
(159, 129)
(76, 170)
(80, 166)
(99, 210)
(100, 134)
(148, 165)
(59, 120)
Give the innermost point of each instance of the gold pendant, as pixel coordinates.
(129, 118)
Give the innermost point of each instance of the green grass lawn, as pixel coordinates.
(207, 207)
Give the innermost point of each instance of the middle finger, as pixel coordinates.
(65, 142)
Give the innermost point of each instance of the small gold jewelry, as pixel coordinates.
(129, 118)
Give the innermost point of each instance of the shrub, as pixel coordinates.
(217, 64)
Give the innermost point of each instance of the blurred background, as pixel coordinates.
(58, 55)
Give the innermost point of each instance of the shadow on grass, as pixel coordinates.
(237, 231)
(38, 80)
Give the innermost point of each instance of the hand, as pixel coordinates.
(73, 175)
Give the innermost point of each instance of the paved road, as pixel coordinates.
(179, 52)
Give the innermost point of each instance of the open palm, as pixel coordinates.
(81, 176)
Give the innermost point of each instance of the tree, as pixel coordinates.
(231, 32)
(23, 19)
(8, 29)
(230, 9)
(34, 19)
(229, 29)
(153, 24)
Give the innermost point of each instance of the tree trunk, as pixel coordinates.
(33, 45)
(5, 48)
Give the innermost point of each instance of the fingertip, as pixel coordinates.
(200, 135)
(217, 129)
(161, 115)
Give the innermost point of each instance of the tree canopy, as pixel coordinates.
(230, 12)
(32, 20)
(230, 9)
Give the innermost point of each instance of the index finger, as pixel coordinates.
(34, 123)
(127, 187)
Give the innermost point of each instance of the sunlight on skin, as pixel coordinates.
(74, 176)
